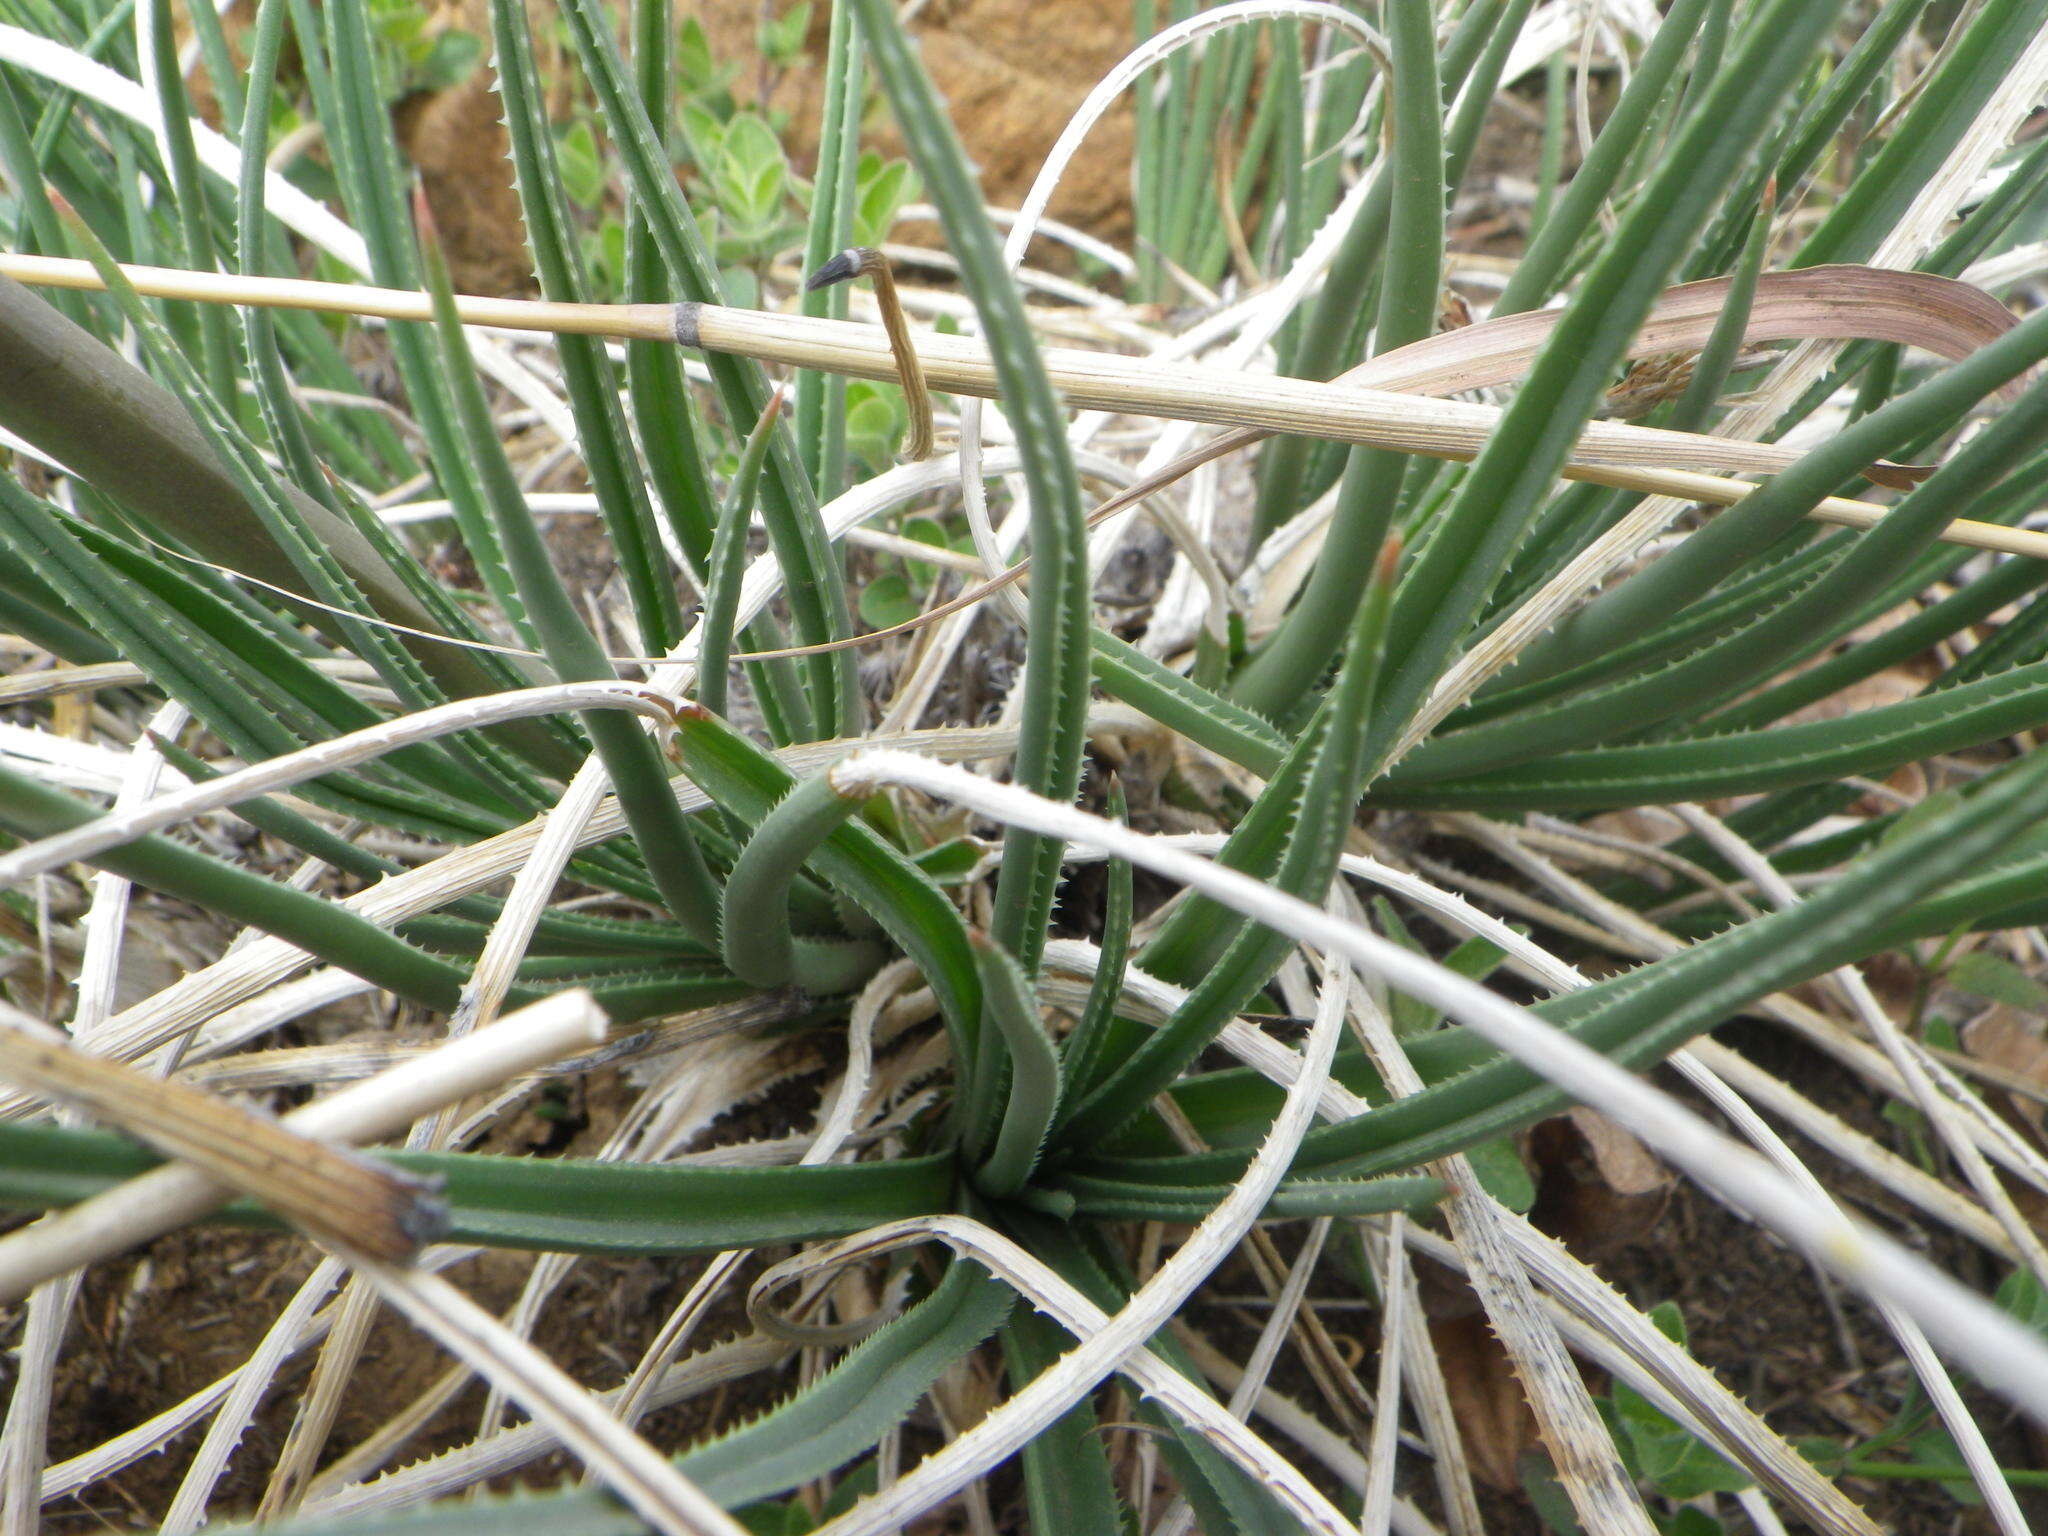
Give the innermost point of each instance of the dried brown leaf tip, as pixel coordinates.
(1388, 563)
(423, 221)
(865, 261)
(1837, 303)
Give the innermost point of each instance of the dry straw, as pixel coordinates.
(1688, 465)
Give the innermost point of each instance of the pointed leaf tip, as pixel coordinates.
(844, 267)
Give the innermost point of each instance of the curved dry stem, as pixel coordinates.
(374, 741)
(865, 261)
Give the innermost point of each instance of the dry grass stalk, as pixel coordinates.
(337, 1197)
(334, 1196)
(1633, 458)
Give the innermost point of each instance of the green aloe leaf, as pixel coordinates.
(916, 914)
(217, 354)
(755, 933)
(29, 809)
(868, 1391)
(1222, 958)
(1179, 703)
(1410, 288)
(630, 755)
(1010, 1018)
(1104, 1199)
(1055, 685)
(560, 1205)
(1547, 261)
(726, 568)
(1645, 1014)
(1082, 1050)
(130, 438)
(1944, 109)
(820, 423)
(200, 650)
(1872, 741)
(1325, 336)
(1067, 1478)
(352, 107)
(1728, 665)
(1731, 540)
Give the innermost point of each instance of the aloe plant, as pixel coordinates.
(1458, 624)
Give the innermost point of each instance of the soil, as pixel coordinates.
(1012, 71)
(457, 141)
(155, 1326)
(1758, 1314)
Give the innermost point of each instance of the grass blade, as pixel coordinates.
(814, 581)
(1056, 657)
(630, 756)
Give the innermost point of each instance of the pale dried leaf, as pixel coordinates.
(1629, 1167)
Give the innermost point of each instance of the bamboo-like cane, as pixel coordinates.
(1689, 465)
